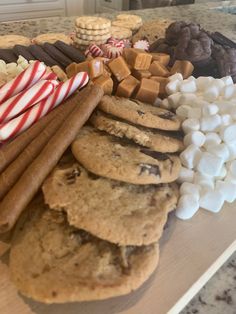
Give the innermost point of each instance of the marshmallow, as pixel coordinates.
(210, 164)
(190, 156)
(165, 104)
(224, 106)
(190, 188)
(228, 133)
(174, 100)
(195, 137)
(187, 206)
(219, 84)
(219, 150)
(3, 66)
(185, 175)
(176, 76)
(183, 111)
(228, 91)
(188, 86)
(226, 119)
(229, 178)
(212, 201)
(210, 123)
(228, 190)
(188, 99)
(190, 125)
(232, 167)
(209, 110)
(232, 150)
(173, 86)
(202, 82)
(211, 93)
(227, 80)
(222, 174)
(195, 113)
(204, 181)
(212, 138)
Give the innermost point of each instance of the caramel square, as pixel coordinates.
(127, 87)
(119, 68)
(96, 68)
(163, 82)
(139, 59)
(182, 66)
(71, 69)
(106, 83)
(158, 69)
(163, 58)
(139, 74)
(148, 91)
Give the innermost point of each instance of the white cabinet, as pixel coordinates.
(29, 9)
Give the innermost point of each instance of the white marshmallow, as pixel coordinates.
(212, 201)
(224, 106)
(185, 175)
(190, 156)
(212, 138)
(227, 80)
(176, 76)
(202, 82)
(187, 206)
(219, 83)
(174, 100)
(204, 181)
(165, 104)
(232, 167)
(228, 133)
(190, 188)
(222, 174)
(3, 66)
(211, 93)
(19, 69)
(173, 87)
(183, 111)
(195, 137)
(232, 150)
(232, 112)
(190, 125)
(228, 190)
(188, 86)
(228, 91)
(229, 178)
(219, 150)
(226, 119)
(209, 110)
(188, 99)
(210, 164)
(210, 123)
(195, 113)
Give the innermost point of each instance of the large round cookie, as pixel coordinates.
(139, 113)
(114, 158)
(118, 212)
(53, 262)
(9, 41)
(160, 141)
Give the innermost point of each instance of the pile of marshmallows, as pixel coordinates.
(207, 107)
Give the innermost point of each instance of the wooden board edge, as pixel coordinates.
(196, 287)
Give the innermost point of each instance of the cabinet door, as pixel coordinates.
(108, 5)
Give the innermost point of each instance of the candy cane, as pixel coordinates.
(49, 76)
(24, 80)
(24, 121)
(25, 99)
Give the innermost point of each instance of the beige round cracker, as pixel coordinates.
(94, 37)
(9, 41)
(92, 22)
(126, 24)
(130, 17)
(120, 32)
(92, 32)
(52, 38)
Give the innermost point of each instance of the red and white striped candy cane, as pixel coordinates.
(25, 99)
(24, 80)
(49, 76)
(24, 121)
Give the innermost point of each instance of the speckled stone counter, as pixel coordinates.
(218, 296)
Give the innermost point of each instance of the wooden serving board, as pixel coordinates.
(191, 252)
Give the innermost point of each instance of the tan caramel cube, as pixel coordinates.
(106, 71)
(96, 68)
(148, 91)
(163, 82)
(106, 83)
(140, 60)
(158, 69)
(163, 58)
(184, 67)
(139, 74)
(119, 68)
(127, 87)
(71, 69)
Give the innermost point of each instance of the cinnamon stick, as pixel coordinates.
(11, 174)
(31, 180)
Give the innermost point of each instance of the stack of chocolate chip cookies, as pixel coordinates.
(107, 205)
(91, 30)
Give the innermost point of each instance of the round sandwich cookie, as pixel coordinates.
(140, 113)
(52, 38)
(129, 17)
(120, 32)
(133, 26)
(52, 262)
(114, 211)
(9, 41)
(92, 32)
(160, 141)
(92, 22)
(96, 38)
(114, 158)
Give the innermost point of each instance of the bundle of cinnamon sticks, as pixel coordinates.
(28, 159)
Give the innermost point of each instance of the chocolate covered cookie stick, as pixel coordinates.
(7, 55)
(71, 52)
(20, 50)
(57, 54)
(9, 177)
(29, 183)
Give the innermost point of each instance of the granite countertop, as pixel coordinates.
(219, 294)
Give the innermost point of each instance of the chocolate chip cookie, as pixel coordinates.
(139, 113)
(118, 159)
(160, 141)
(118, 212)
(53, 262)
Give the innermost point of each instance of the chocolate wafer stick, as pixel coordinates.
(10, 176)
(11, 150)
(31, 180)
